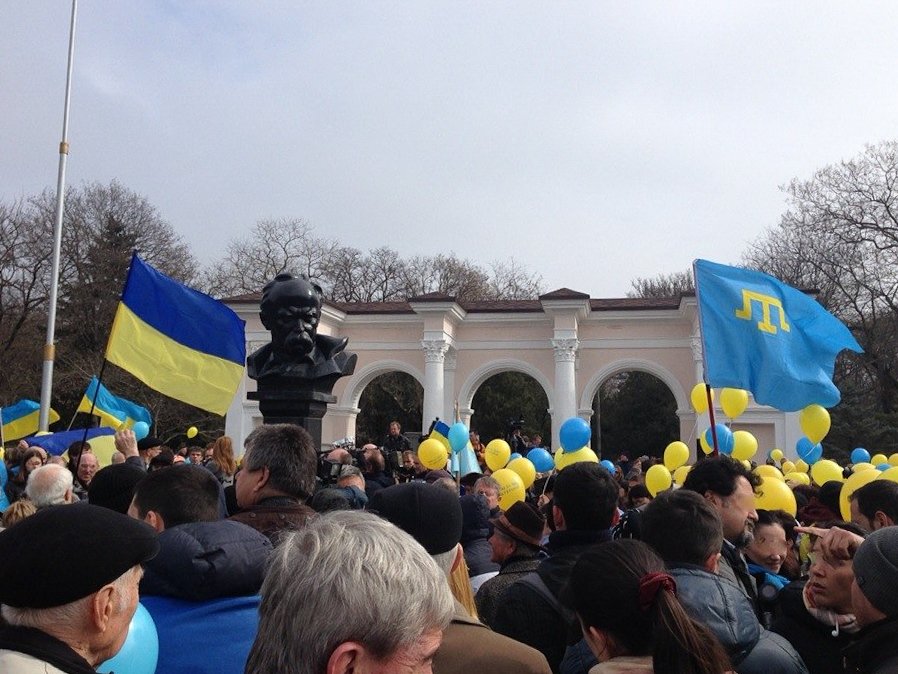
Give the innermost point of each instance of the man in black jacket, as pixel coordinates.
(584, 508)
(516, 543)
(875, 602)
(205, 580)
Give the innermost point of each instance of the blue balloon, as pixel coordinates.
(607, 465)
(883, 466)
(724, 438)
(541, 459)
(140, 652)
(808, 451)
(860, 455)
(514, 455)
(458, 436)
(574, 434)
(141, 430)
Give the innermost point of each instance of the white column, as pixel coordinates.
(450, 361)
(434, 403)
(565, 404)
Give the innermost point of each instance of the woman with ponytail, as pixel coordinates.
(632, 619)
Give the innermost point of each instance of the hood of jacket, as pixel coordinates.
(207, 560)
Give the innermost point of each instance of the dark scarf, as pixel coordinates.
(45, 648)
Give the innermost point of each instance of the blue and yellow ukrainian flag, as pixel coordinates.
(21, 419)
(102, 442)
(764, 336)
(441, 432)
(113, 410)
(177, 340)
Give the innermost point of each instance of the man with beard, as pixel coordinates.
(729, 488)
(290, 310)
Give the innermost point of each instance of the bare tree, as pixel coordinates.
(271, 247)
(840, 236)
(509, 279)
(663, 285)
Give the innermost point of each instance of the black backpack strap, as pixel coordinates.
(538, 585)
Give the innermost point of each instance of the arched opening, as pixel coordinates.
(634, 413)
(507, 397)
(389, 396)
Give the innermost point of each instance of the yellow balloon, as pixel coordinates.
(814, 421)
(733, 401)
(893, 459)
(525, 470)
(699, 398)
(745, 445)
(851, 485)
(879, 459)
(432, 454)
(496, 454)
(769, 471)
(657, 479)
(564, 459)
(890, 474)
(775, 494)
(746, 463)
(675, 455)
(797, 478)
(788, 467)
(826, 471)
(861, 467)
(777, 455)
(801, 466)
(192, 432)
(679, 475)
(703, 443)
(511, 487)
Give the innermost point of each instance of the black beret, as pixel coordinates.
(148, 443)
(430, 514)
(113, 486)
(67, 552)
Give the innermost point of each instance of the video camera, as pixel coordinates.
(328, 471)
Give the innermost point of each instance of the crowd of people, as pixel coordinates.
(365, 561)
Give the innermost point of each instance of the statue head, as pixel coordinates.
(290, 310)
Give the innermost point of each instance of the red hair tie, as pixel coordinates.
(650, 584)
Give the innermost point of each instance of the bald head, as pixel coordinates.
(50, 485)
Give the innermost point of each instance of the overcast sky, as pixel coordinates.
(594, 141)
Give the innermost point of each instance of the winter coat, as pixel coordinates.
(470, 647)
(25, 650)
(202, 592)
(876, 649)
(474, 532)
(734, 568)
(526, 616)
(274, 516)
(723, 608)
(490, 593)
(815, 642)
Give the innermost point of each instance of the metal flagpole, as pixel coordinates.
(49, 345)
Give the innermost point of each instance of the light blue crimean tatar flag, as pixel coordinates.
(764, 336)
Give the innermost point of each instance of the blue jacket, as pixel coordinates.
(206, 637)
(724, 609)
(202, 592)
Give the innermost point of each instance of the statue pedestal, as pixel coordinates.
(284, 400)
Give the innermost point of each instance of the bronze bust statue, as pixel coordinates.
(290, 310)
